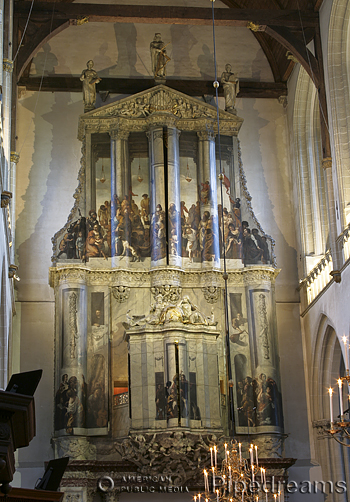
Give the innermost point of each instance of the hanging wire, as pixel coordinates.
(41, 82)
(225, 276)
(24, 31)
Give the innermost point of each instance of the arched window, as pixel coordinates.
(310, 175)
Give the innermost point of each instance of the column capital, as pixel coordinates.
(119, 134)
(206, 135)
(14, 157)
(7, 65)
(327, 162)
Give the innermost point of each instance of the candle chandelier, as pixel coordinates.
(340, 429)
(237, 480)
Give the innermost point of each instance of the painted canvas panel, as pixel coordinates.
(254, 362)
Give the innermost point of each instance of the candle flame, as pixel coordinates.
(330, 390)
(340, 383)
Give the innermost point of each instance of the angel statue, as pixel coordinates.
(159, 57)
(231, 88)
(89, 78)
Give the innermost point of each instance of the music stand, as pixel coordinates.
(24, 383)
(53, 475)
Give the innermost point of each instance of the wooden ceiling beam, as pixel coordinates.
(165, 15)
(31, 47)
(298, 49)
(133, 85)
(270, 56)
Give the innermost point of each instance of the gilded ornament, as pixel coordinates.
(7, 65)
(255, 27)
(14, 157)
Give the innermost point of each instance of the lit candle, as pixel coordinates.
(330, 390)
(216, 456)
(195, 498)
(253, 476)
(199, 498)
(213, 479)
(211, 457)
(256, 455)
(206, 481)
(240, 451)
(340, 384)
(251, 456)
(279, 496)
(225, 452)
(217, 495)
(345, 340)
(275, 496)
(261, 475)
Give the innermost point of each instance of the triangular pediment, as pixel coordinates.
(160, 100)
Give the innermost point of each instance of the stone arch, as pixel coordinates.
(327, 364)
(339, 76)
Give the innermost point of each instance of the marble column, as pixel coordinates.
(71, 357)
(264, 355)
(157, 186)
(172, 377)
(120, 188)
(209, 226)
(89, 202)
(119, 163)
(174, 215)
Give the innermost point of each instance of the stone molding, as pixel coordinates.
(160, 278)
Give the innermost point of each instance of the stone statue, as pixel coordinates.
(89, 78)
(159, 57)
(231, 88)
(162, 312)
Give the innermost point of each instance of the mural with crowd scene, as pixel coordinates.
(122, 225)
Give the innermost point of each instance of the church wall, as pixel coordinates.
(331, 307)
(47, 179)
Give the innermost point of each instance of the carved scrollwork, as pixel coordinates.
(211, 293)
(121, 293)
(5, 431)
(75, 448)
(174, 454)
(264, 325)
(169, 294)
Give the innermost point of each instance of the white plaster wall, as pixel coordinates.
(266, 163)
(46, 180)
(123, 50)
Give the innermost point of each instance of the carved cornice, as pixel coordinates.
(159, 105)
(161, 277)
